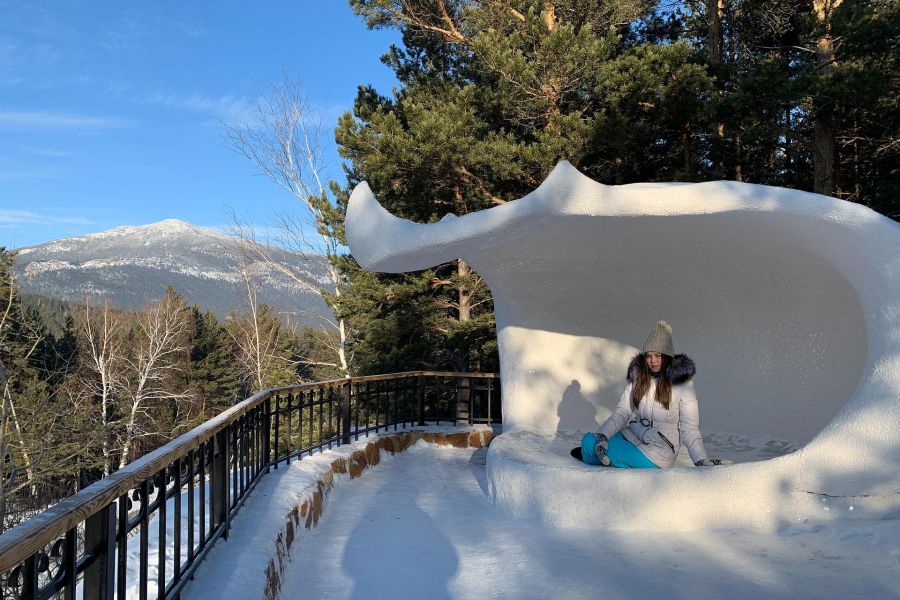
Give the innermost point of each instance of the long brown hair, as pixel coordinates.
(642, 383)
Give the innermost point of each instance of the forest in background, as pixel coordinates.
(795, 93)
(88, 387)
(803, 94)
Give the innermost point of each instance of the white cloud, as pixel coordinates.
(226, 107)
(11, 119)
(11, 217)
(48, 152)
(33, 174)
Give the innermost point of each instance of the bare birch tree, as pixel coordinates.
(160, 341)
(101, 333)
(260, 343)
(286, 145)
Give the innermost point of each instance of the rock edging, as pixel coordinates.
(308, 511)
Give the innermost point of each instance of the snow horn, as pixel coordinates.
(789, 303)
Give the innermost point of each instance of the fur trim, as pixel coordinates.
(680, 370)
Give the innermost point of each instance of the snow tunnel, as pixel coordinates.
(788, 302)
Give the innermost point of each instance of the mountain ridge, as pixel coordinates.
(132, 265)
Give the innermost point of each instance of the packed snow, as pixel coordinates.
(420, 525)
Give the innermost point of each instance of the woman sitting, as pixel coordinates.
(657, 412)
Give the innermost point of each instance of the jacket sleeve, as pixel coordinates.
(689, 423)
(620, 416)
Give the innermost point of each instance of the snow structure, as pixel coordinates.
(789, 303)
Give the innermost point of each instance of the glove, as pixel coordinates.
(600, 449)
(713, 462)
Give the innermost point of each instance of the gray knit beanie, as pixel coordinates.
(660, 340)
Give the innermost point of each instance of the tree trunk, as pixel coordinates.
(106, 408)
(824, 151)
(464, 272)
(715, 9)
(29, 466)
(335, 278)
(824, 148)
(686, 149)
(788, 151)
(549, 14)
(465, 294)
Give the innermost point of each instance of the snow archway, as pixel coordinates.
(789, 303)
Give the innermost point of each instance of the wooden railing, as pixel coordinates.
(170, 506)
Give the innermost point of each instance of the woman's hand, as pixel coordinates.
(713, 462)
(600, 449)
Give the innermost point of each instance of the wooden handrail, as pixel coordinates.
(22, 541)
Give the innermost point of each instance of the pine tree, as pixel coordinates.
(493, 95)
(38, 449)
(214, 374)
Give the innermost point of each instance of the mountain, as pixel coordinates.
(133, 265)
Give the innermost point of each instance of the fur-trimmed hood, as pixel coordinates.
(680, 370)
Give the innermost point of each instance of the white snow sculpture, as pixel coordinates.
(789, 302)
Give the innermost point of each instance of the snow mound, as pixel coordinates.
(786, 300)
(531, 475)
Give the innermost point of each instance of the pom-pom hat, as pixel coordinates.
(660, 340)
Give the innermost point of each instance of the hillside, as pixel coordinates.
(133, 265)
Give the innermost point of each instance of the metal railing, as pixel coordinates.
(144, 529)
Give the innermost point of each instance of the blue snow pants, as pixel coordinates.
(621, 453)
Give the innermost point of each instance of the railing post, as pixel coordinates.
(267, 432)
(30, 578)
(100, 542)
(220, 480)
(345, 412)
(420, 390)
(463, 393)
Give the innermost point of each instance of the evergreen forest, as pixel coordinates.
(802, 94)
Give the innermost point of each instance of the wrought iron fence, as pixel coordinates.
(144, 529)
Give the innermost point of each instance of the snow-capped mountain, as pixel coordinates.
(132, 266)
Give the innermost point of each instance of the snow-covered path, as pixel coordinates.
(420, 526)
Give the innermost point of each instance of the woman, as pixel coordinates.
(656, 414)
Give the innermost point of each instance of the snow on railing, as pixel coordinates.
(142, 531)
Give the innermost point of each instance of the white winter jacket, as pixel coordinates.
(656, 431)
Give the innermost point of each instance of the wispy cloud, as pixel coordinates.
(12, 217)
(226, 107)
(47, 152)
(11, 119)
(28, 174)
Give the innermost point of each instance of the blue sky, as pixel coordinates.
(110, 111)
